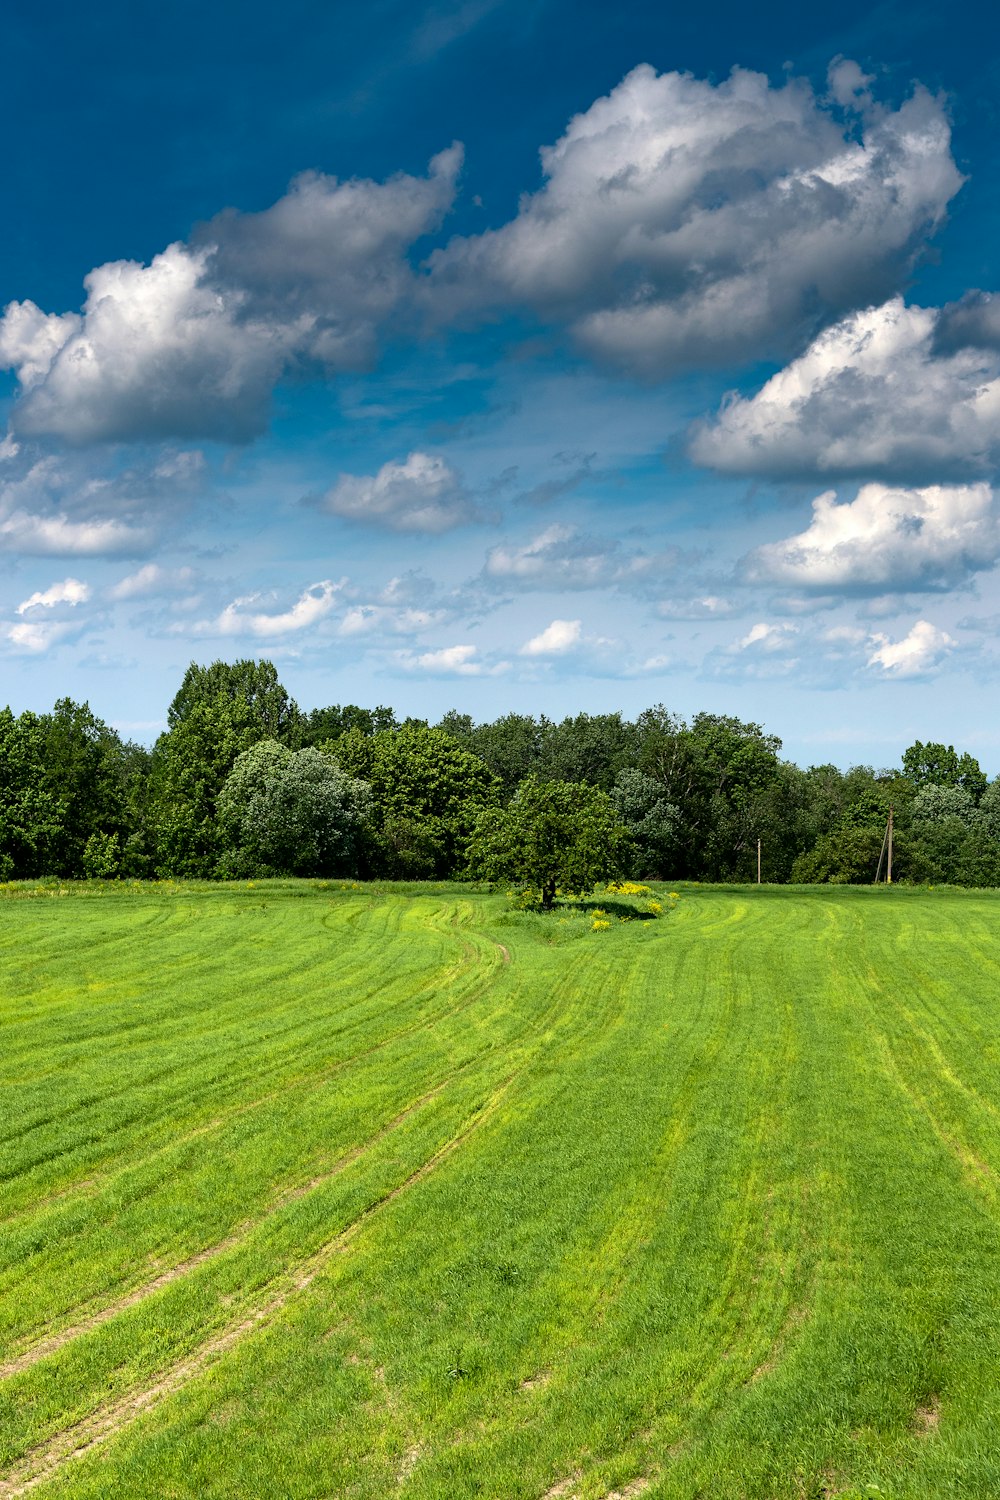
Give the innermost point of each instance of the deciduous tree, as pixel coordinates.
(552, 835)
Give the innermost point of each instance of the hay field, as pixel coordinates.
(322, 1191)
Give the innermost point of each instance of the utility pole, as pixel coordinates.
(888, 878)
(758, 861)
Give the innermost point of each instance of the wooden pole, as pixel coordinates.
(758, 861)
(888, 878)
(881, 852)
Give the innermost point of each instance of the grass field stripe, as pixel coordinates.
(727, 1230)
(43, 1461)
(49, 1346)
(286, 1194)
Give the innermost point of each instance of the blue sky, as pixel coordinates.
(499, 355)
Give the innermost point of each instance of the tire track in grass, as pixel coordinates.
(482, 986)
(45, 1458)
(315, 1080)
(717, 1045)
(977, 1173)
(206, 1058)
(732, 1402)
(959, 1111)
(765, 1287)
(767, 1281)
(35, 1352)
(75, 1442)
(176, 1022)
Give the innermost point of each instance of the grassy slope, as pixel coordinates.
(309, 1192)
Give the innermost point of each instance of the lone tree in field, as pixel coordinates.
(552, 834)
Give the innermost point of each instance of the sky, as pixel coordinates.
(507, 355)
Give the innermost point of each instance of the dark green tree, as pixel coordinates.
(270, 710)
(510, 745)
(587, 747)
(552, 835)
(91, 775)
(652, 823)
(324, 725)
(189, 768)
(715, 771)
(941, 765)
(427, 793)
(30, 812)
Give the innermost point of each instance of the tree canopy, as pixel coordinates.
(552, 835)
(291, 812)
(691, 797)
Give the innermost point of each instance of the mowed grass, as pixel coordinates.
(312, 1191)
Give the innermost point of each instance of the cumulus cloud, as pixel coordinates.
(768, 651)
(848, 85)
(874, 395)
(68, 506)
(38, 636)
(70, 591)
(684, 223)
(451, 661)
(560, 636)
(681, 223)
(422, 493)
(366, 619)
(562, 557)
(149, 581)
(972, 322)
(58, 536)
(240, 618)
(30, 339)
(193, 343)
(823, 658)
(886, 540)
(921, 652)
(766, 637)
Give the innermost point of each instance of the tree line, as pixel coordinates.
(243, 783)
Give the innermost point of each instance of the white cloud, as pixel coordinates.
(365, 619)
(422, 493)
(560, 636)
(561, 557)
(829, 657)
(460, 659)
(451, 661)
(58, 536)
(37, 636)
(844, 635)
(31, 339)
(686, 223)
(765, 637)
(653, 666)
(238, 619)
(767, 652)
(918, 654)
(887, 540)
(193, 343)
(848, 85)
(71, 506)
(149, 581)
(71, 591)
(159, 352)
(871, 396)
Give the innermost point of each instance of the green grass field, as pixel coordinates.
(323, 1192)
